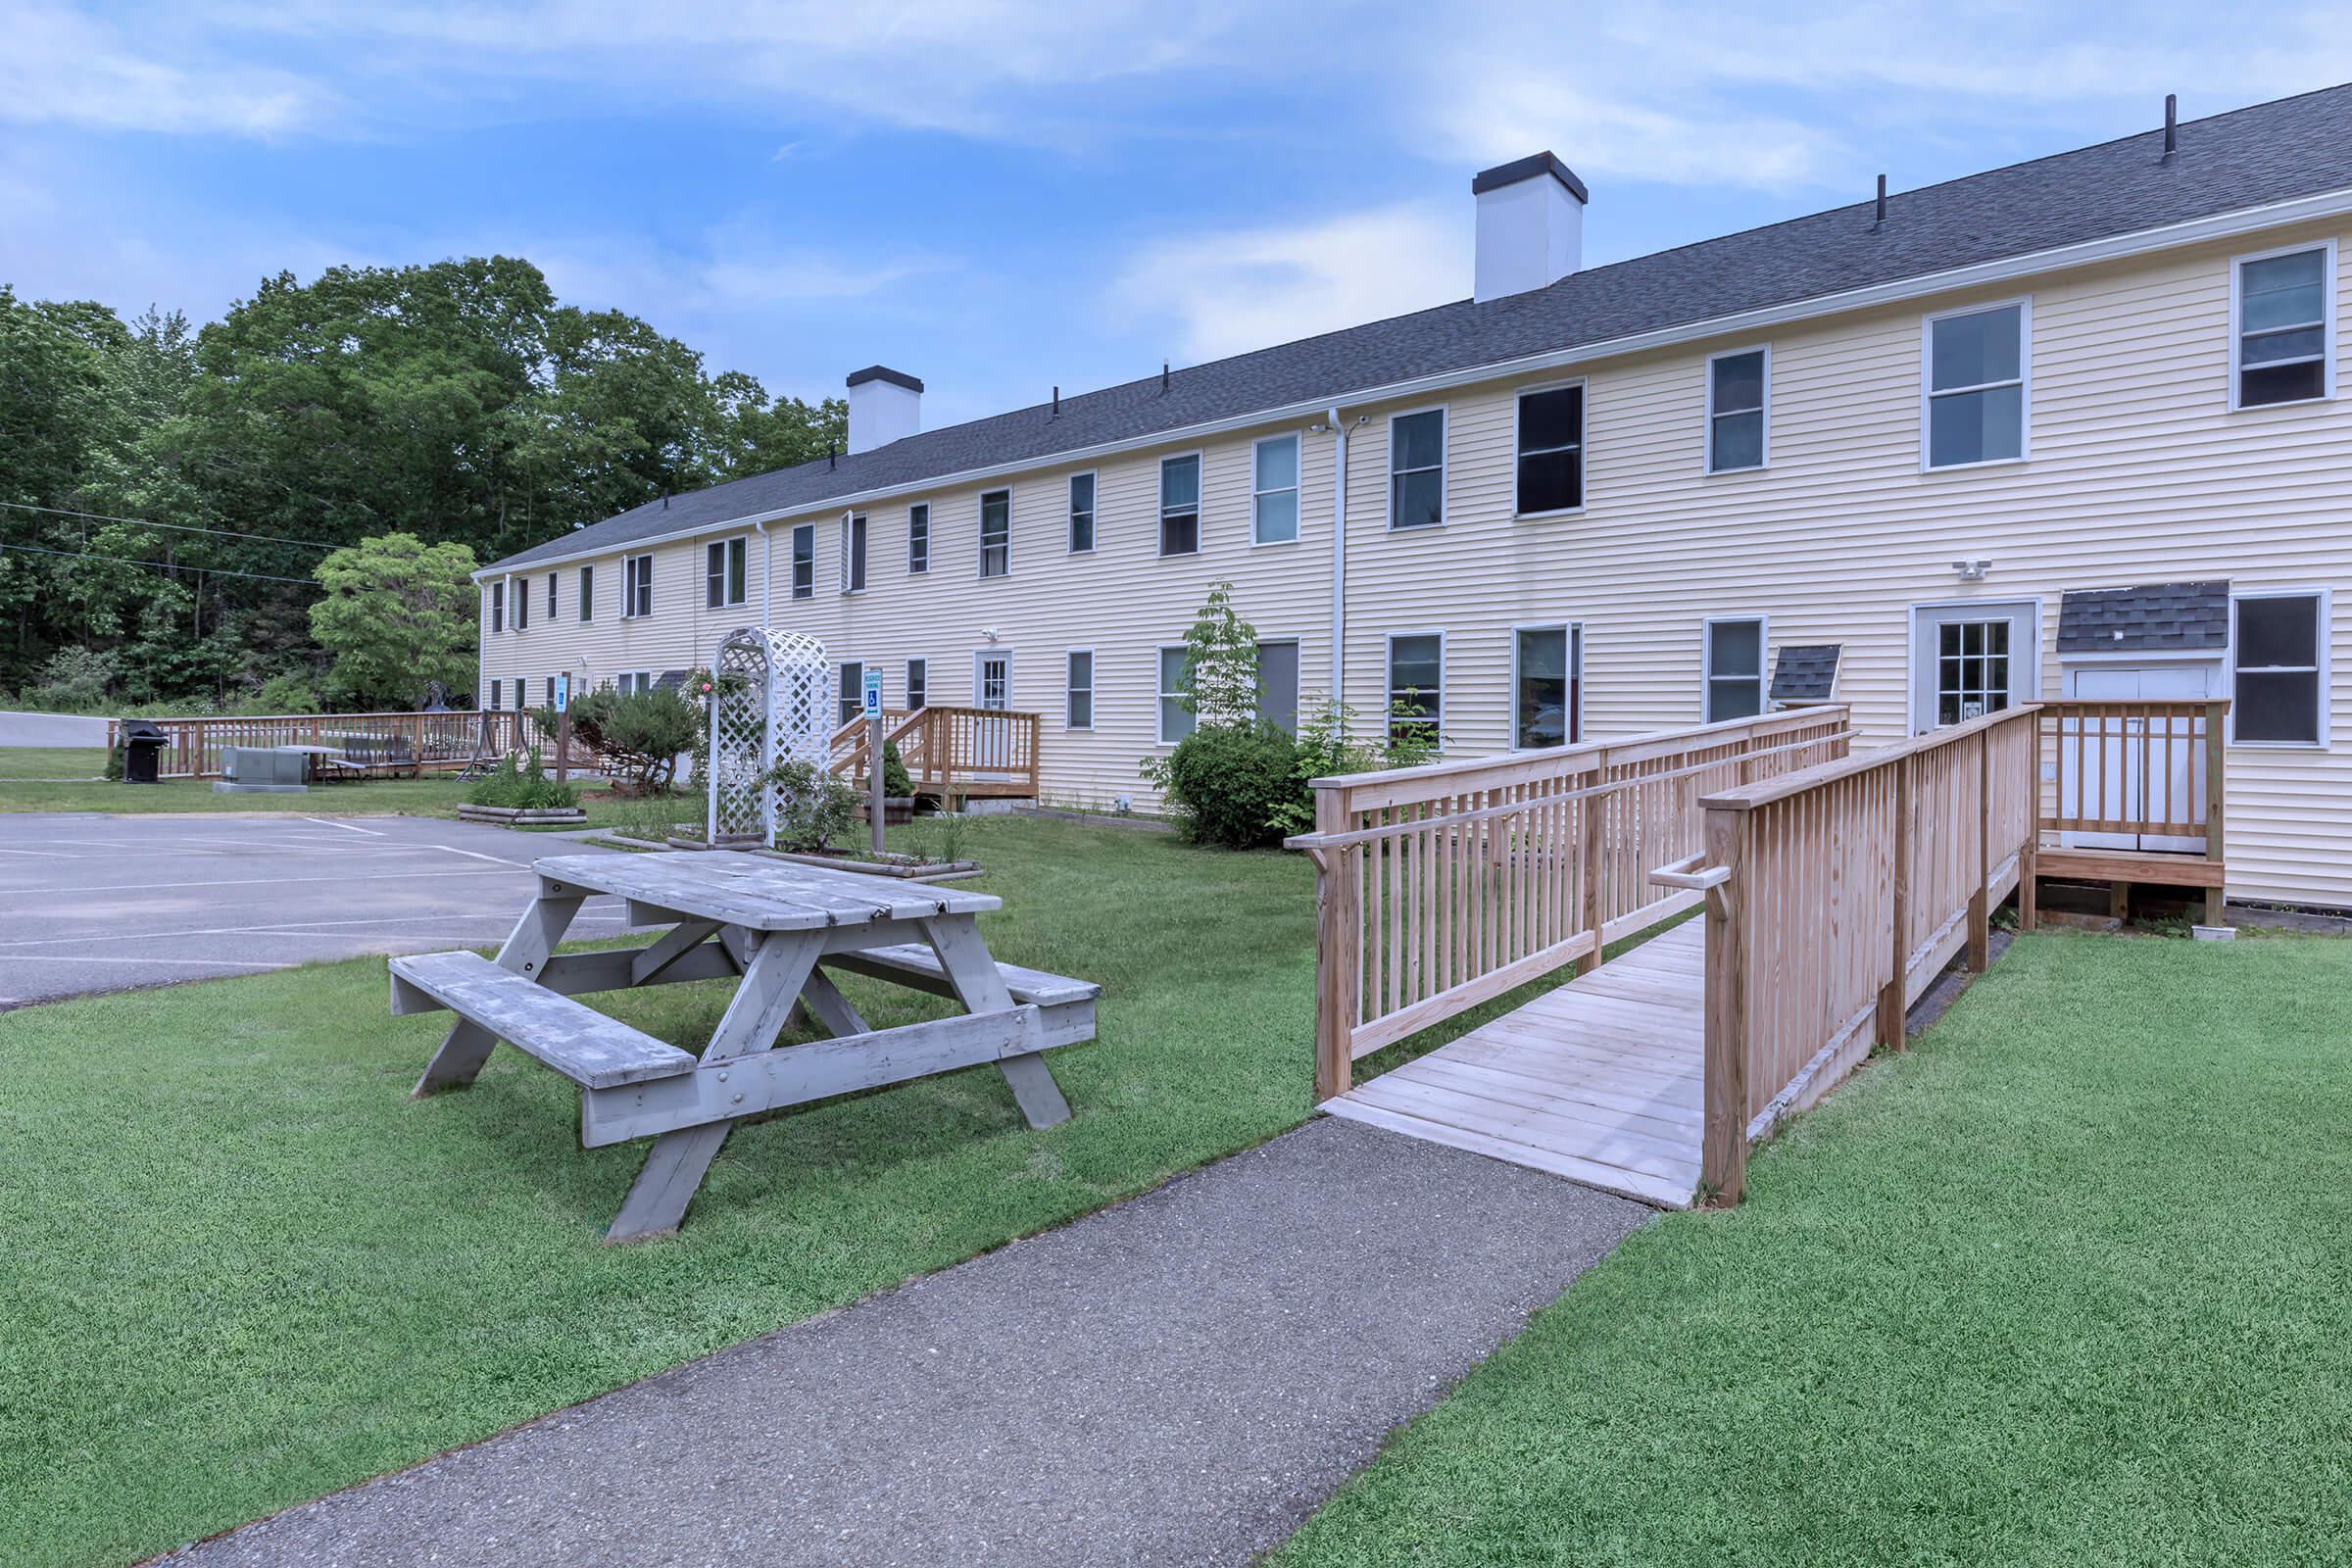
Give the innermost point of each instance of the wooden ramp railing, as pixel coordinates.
(2134, 792)
(392, 743)
(953, 754)
(1835, 895)
(1440, 887)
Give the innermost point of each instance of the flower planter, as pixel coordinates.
(905, 867)
(896, 808)
(525, 816)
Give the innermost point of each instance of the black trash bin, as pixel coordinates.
(143, 743)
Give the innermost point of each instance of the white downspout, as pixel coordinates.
(1339, 556)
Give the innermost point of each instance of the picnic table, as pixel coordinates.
(777, 929)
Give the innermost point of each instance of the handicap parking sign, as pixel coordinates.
(873, 693)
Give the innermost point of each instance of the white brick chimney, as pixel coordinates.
(884, 406)
(1530, 226)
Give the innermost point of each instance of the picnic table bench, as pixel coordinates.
(777, 928)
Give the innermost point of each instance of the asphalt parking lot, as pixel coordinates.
(91, 903)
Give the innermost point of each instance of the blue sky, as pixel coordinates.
(999, 197)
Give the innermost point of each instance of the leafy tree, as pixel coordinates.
(1220, 671)
(635, 735)
(398, 614)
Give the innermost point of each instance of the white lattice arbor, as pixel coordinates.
(772, 704)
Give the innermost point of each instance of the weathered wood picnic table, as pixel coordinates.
(775, 927)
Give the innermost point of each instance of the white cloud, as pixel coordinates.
(1516, 110)
(1249, 288)
(59, 66)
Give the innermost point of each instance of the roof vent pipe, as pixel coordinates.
(1880, 222)
(1163, 378)
(1056, 402)
(2172, 124)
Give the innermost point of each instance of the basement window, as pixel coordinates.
(2285, 322)
(2280, 667)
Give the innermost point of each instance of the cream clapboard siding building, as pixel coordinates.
(2136, 467)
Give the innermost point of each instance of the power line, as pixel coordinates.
(176, 528)
(161, 565)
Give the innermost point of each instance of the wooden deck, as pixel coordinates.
(1598, 1081)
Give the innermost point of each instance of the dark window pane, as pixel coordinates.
(1540, 704)
(2282, 383)
(1947, 639)
(1417, 440)
(1553, 419)
(1976, 426)
(1551, 481)
(2302, 343)
(2274, 706)
(1180, 482)
(2283, 290)
(1417, 500)
(1972, 350)
(2277, 631)
(1737, 647)
(1415, 670)
(1739, 383)
(1947, 708)
(1739, 441)
(1180, 535)
(1733, 698)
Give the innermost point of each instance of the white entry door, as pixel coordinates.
(2138, 776)
(992, 688)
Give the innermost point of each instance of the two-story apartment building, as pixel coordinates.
(2069, 427)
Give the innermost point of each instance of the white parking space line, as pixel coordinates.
(196, 963)
(476, 854)
(285, 928)
(254, 881)
(45, 854)
(372, 833)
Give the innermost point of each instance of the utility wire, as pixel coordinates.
(161, 565)
(176, 527)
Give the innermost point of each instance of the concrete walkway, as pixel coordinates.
(1181, 1379)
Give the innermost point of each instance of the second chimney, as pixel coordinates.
(1531, 225)
(885, 406)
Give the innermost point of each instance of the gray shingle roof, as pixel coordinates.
(2268, 153)
(2165, 616)
(1805, 672)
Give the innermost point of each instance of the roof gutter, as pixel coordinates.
(2221, 226)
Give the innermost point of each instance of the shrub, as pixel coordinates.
(522, 782)
(636, 736)
(1227, 782)
(811, 805)
(1323, 750)
(896, 782)
(287, 693)
(75, 681)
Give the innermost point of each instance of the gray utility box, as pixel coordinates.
(264, 770)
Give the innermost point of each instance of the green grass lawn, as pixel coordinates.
(242, 1268)
(2069, 1283)
(52, 762)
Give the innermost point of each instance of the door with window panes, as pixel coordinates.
(1968, 660)
(992, 688)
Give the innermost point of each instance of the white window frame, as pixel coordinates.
(1387, 681)
(518, 603)
(1584, 448)
(1071, 689)
(498, 607)
(1093, 514)
(1159, 506)
(628, 586)
(1764, 408)
(918, 565)
(1299, 697)
(495, 694)
(981, 517)
(2024, 382)
(856, 539)
(1161, 695)
(587, 593)
(792, 563)
(730, 550)
(1574, 631)
(552, 579)
(1297, 488)
(2324, 641)
(914, 685)
(850, 706)
(630, 681)
(2237, 335)
(1706, 663)
(1389, 469)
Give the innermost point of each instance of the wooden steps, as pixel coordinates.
(586, 1047)
(1598, 1081)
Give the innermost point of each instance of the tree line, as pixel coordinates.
(167, 495)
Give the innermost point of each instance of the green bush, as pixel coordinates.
(1227, 783)
(636, 736)
(896, 782)
(75, 681)
(812, 806)
(1322, 751)
(285, 694)
(522, 782)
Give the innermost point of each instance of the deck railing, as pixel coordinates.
(1442, 886)
(389, 742)
(1833, 897)
(2134, 792)
(951, 753)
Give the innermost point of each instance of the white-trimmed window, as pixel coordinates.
(588, 593)
(636, 587)
(2279, 667)
(996, 533)
(1417, 469)
(494, 696)
(1548, 686)
(1417, 684)
(853, 553)
(1180, 504)
(551, 693)
(919, 683)
(1274, 490)
(852, 689)
(497, 609)
(632, 682)
(521, 599)
(803, 561)
(1551, 450)
(1082, 512)
(1739, 407)
(723, 573)
(523, 693)
(1975, 376)
(1176, 719)
(918, 538)
(551, 600)
(2282, 326)
(1734, 673)
(1078, 689)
